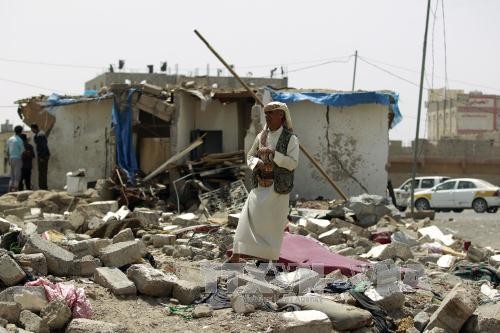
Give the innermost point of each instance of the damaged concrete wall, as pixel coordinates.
(351, 143)
(80, 138)
(217, 116)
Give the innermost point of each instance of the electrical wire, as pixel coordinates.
(29, 85)
(387, 71)
(27, 62)
(321, 64)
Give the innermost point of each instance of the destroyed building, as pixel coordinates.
(347, 132)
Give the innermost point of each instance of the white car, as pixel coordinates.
(459, 194)
(403, 193)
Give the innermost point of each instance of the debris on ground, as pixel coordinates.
(136, 260)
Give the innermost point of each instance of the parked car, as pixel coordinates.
(403, 192)
(459, 194)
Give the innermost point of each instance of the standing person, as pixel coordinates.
(42, 155)
(15, 149)
(27, 158)
(273, 157)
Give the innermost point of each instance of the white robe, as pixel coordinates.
(264, 216)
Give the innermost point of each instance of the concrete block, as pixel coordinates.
(495, 260)
(265, 288)
(28, 298)
(486, 319)
(79, 248)
(81, 325)
(10, 272)
(97, 244)
(119, 254)
(85, 266)
(390, 251)
(33, 323)
(305, 322)
(115, 280)
(20, 212)
(168, 250)
(56, 314)
(299, 281)
(389, 301)
(58, 225)
(182, 251)
(458, 305)
(316, 226)
(421, 320)
(202, 311)
(150, 281)
(422, 214)
(332, 237)
(186, 291)
(102, 207)
(10, 311)
(124, 235)
(161, 240)
(186, 220)
(59, 260)
(4, 226)
(147, 217)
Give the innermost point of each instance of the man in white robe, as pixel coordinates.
(260, 230)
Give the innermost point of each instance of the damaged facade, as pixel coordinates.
(350, 139)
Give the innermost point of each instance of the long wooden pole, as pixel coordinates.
(257, 98)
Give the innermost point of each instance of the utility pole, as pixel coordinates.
(354, 74)
(415, 143)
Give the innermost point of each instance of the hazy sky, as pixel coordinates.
(255, 36)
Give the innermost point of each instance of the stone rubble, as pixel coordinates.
(144, 253)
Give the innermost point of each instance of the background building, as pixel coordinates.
(456, 114)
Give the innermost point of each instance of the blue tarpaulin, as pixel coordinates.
(342, 99)
(121, 120)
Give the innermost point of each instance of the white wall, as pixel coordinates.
(217, 116)
(356, 136)
(80, 138)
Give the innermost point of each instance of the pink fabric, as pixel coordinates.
(74, 297)
(298, 250)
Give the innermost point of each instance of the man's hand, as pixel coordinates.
(259, 165)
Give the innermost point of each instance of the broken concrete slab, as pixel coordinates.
(495, 260)
(263, 287)
(316, 226)
(85, 266)
(182, 251)
(82, 325)
(10, 272)
(368, 209)
(246, 299)
(187, 291)
(46, 225)
(333, 237)
(102, 207)
(436, 234)
(458, 305)
(161, 240)
(119, 254)
(10, 311)
(115, 280)
(343, 317)
(124, 236)
(186, 220)
(150, 281)
(305, 321)
(56, 314)
(389, 301)
(59, 260)
(29, 298)
(390, 251)
(33, 323)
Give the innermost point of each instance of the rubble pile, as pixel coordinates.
(360, 267)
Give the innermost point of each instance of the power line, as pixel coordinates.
(321, 64)
(387, 71)
(27, 62)
(445, 53)
(472, 84)
(29, 85)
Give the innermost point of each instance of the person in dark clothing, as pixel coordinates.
(27, 158)
(42, 155)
